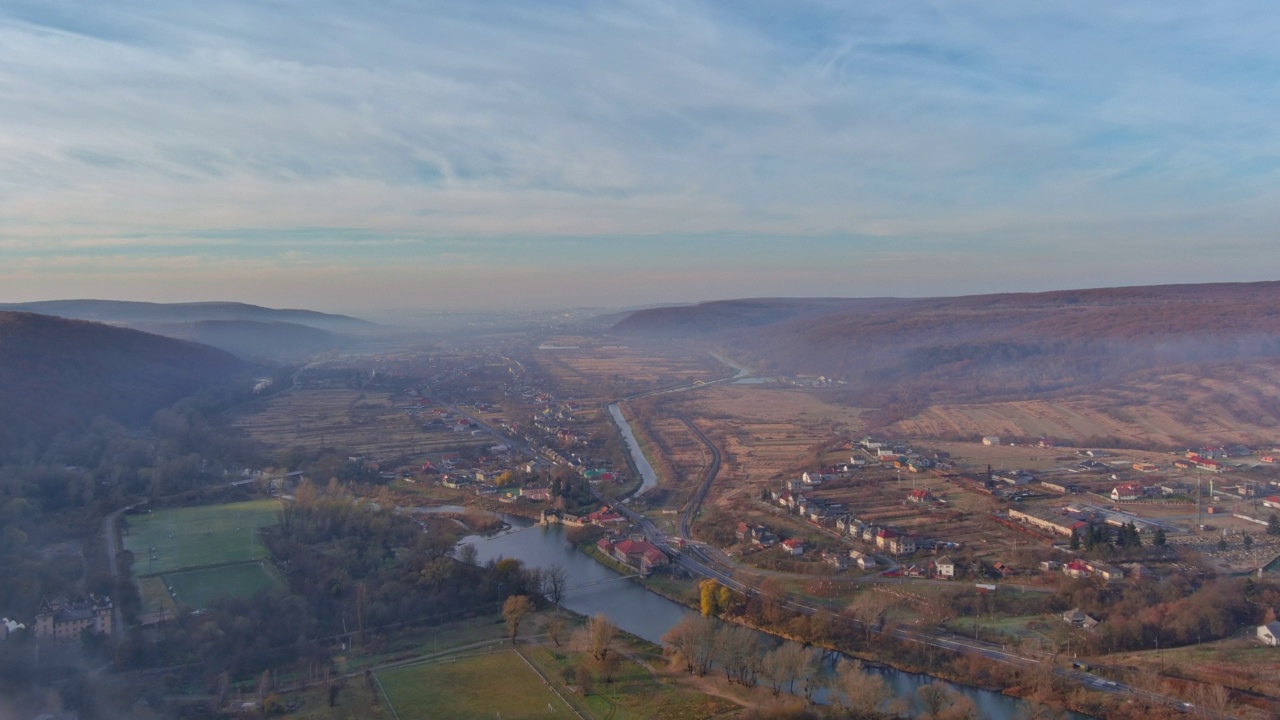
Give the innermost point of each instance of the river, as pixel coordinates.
(648, 478)
(594, 588)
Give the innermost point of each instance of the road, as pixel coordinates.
(109, 542)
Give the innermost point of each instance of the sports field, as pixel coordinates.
(499, 685)
(198, 588)
(182, 538)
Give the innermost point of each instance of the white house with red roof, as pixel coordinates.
(1272, 502)
(1127, 491)
(795, 546)
(920, 496)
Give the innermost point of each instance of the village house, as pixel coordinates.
(835, 559)
(1272, 502)
(862, 560)
(1269, 634)
(1127, 491)
(991, 440)
(62, 619)
(1050, 565)
(639, 554)
(920, 496)
(945, 567)
(761, 536)
(1046, 520)
(1076, 569)
(1078, 618)
(793, 546)
(1106, 572)
(1013, 477)
(605, 516)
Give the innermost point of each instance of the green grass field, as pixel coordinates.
(198, 588)
(499, 685)
(155, 596)
(198, 536)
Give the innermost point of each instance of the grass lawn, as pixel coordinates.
(635, 694)
(498, 685)
(198, 588)
(155, 596)
(198, 536)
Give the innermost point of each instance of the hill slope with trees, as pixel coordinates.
(57, 375)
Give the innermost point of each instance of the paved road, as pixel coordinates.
(109, 542)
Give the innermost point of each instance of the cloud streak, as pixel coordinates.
(362, 135)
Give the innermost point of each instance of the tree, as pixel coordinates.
(596, 637)
(1075, 540)
(864, 692)
(1247, 539)
(1273, 525)
(556, 579)
(709, 597)
(515, 609)
(1222, 544)
(693, 640)
(933, 698)
(1160, 539)
(555, 629)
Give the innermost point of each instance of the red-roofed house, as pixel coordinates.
(605, 516)
(1076, 569)
(638, 554)
(1272, 502)
(1128, 491)
(795, 546)
(920, 496)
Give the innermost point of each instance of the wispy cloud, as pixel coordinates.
(243, 132)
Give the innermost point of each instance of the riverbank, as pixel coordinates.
(891, 655)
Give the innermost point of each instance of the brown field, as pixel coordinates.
(1230, 405)
(763, 432)
(359, 423)
(680, 459)
(609, 372)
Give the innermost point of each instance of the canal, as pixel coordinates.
(595, 588)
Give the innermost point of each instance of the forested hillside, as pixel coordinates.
(57, 375)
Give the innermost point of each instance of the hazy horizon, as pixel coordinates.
(607, 155)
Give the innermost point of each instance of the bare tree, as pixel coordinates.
(693, 639)
(933, 698)
(784, 665)
(555, 629)
(596, 637)
(1214, 697)
(467, 554)
(864, 692)
(557, 579)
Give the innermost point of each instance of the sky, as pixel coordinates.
(506, 155)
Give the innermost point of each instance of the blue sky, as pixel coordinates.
(350, 156)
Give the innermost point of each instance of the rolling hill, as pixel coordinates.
(57, 375)
(901, 356)
(251, 339)
(118, 312)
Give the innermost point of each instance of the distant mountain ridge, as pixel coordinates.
(124, 312)
(56, 375)
(247, 331)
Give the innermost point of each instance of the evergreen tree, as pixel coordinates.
(1075, 540)
(1160, 538)
(1273, 525)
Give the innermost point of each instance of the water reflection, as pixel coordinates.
(595, 588)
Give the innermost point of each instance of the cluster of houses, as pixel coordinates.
(899, 456)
